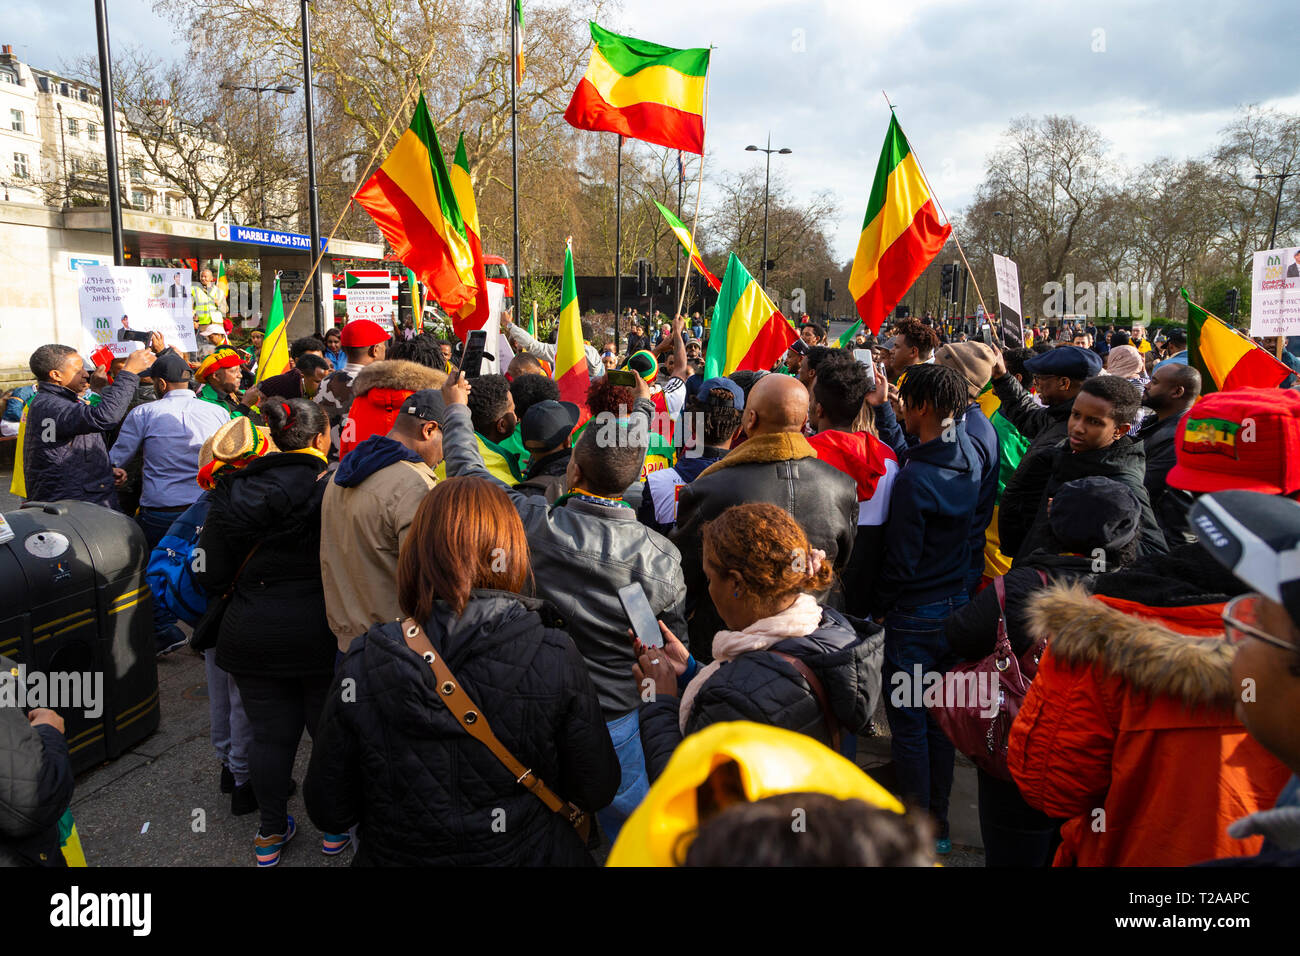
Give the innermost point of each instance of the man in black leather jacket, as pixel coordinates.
(583, 549)
(774, 464)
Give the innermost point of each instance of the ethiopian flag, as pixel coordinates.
(1225, 359)
(847, 338)
(684, 237)
(900, 234)
(643, 90)
(570, 357)
(748, 331)
(519, 41)
(474, 313)
(274, 357)
(411, 200)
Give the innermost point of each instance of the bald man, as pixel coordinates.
(775, 464)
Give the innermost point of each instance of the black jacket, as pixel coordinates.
(545, 475)
(425, 792)
(846, 656)
(275, 625)
(972, 630)
(1045, 428)
(1124, 461)
(1169, 504)
(767, 468)
(582, 552)
(35, 787)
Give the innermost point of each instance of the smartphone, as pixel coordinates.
(639, 615)
(472, 361)
(988, 335)
(622, 377)
(131, 335)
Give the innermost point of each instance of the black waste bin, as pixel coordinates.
(74, 600)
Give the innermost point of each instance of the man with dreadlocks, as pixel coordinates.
(922, 578)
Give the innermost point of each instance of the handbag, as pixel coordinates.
(969, 691)
(471, 717)
(208, 627)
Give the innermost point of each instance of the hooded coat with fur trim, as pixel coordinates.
(1128, 734)
(377, 395)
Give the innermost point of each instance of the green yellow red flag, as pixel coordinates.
(748, 331)
(274, 357)
(570, 356)
(901, 233)
(642, 90)
(411, 200)
(1224, 358)
(474, 313)
(684, 237)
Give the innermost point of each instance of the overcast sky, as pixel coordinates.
(1157, 78)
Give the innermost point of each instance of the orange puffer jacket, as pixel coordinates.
(1128, 734)
(378, 393)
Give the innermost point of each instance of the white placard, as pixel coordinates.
(115, 299)
(375, 304)
(1275, 293)
(1008, 276)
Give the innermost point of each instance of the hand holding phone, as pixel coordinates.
(642, 619)
(471, 361)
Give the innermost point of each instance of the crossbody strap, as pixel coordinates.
(235, 580)
(819, 691)
(468, 714)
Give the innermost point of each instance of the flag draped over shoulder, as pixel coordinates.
(1224, 358)
(570, 356)
(274, 357)
(748, 331)
(411, 200)
(684, 237)
(474, 313)
(901, 233)
(642, 90)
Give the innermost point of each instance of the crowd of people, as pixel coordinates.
(437, 578)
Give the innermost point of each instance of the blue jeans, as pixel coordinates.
(155, 524)
(923, 754)
(625, 732)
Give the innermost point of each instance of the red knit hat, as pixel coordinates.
(1246, 439)
(362, 333)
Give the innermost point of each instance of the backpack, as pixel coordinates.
(171, 572)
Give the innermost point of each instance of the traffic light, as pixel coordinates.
(947, 274)
(1230, 303)
(643, 277)
(828, 294)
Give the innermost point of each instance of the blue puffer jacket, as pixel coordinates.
(64, 455)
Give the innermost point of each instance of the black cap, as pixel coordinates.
(426, 404)
(1069, 361)
(547, 423)
(1090, 513)
(1256, 537)
(169, 367)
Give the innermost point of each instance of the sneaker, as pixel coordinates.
(943, 847)
(243, 801)
(170, 640)
(227, 780)
(333, 844)
(268, 848)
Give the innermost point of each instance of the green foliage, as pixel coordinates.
(1214, 297)
(546, 291)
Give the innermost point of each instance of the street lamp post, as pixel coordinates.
(1277, 206)
(1010, 227)
(767, 182)
(261, 160)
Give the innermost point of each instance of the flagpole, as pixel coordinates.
(514, 144)
(699, 188)
(955, 237)
(618, 242)
(678, 257)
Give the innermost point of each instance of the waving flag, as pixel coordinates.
(473, 314)
(274, 357)
(847, 338)
(1224, 358)
(570, 357)
(519, 41)
(900, 234)
(748, 331)
(643, 90)
(684, 237)
(411, 200)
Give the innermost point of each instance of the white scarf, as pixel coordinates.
(798, 620)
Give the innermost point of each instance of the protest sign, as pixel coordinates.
(1275, 293)
(118, 300)
(1008, 276)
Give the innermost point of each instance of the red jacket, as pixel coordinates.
(378, 392)
(1128, 734)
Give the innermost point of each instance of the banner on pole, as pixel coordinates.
(117, 300)
(1275, 293)
(370, 295)
(1008, 276)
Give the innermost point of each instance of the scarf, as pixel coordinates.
(798, 620)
